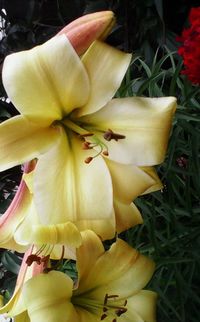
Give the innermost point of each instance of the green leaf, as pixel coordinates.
(11, 262)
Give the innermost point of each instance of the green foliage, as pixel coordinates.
(171, 229)
(9, 268)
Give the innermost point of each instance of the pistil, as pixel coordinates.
(75, 128)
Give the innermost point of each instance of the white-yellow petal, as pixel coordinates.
(48, 297)
(22, 140)
(145, 123)
(151, 171)
(144, 303)
(129, 181)
(47, 81)
(105, 228)
(127, 215)
(106, 67)
(121, 270)
(71, 190)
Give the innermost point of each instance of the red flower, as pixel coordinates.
(190, 49)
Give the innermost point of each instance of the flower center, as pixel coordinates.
(94, 142)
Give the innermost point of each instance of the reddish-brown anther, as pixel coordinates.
(88, 160)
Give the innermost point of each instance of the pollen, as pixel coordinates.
(110, 135)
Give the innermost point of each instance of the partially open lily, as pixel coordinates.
(68, 120)
(109, 286)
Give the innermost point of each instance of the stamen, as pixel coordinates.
(110, 135)
(75, 128)
(85, 135)
(106, 153)
(105, 300)
(103, 316)
(40, 250)
(87, 146)
(120, 311)
(33, 258)
(88, 160)
(49, 269)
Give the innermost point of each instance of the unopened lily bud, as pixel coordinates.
(84, 30)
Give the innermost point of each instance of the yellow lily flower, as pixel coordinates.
(20, 226)
(109, 287)
(63, 99)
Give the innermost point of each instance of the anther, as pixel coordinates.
(120, 311)
(105, 309)
(103, 316)
(105, 153)
(115, 320)
(110, 135)
(125, 302)
(33, 258)
(86, 146)
(45, 259)
(105, 299)
(88, 160)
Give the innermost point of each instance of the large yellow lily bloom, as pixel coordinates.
(109, 285)
(61, 98)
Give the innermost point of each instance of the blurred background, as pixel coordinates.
(171, 230)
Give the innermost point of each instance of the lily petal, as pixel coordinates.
(69, 189)
(47, 297)
(91, 245)
(31, 231)
(145, 123)
(22, 141)
(106, 274)
(40, 82)
(16, 212)
(23, 317)
(63, 234)
(106, 67)
(11, 244)
(128, 181)
(144, 303)
(88, 316)
(105, 228)
(127, 215)
(151, 171)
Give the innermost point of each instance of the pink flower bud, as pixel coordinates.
(84, 30)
